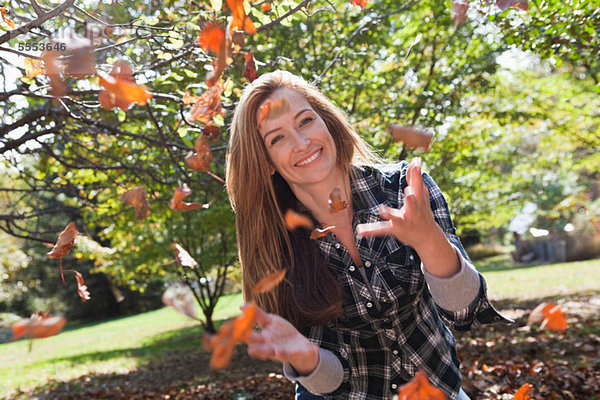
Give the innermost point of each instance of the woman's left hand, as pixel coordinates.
(412, 224)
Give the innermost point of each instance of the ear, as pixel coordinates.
(272, 172)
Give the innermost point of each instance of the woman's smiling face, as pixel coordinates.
(297, 140)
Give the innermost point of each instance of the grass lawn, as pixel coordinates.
(506, 279)
(119, 346)
(116, 345)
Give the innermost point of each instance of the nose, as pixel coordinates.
(301, 142)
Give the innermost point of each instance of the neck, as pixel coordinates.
(316, 198)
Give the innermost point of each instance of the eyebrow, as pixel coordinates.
(295, 116)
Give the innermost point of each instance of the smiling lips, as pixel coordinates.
(310, 159)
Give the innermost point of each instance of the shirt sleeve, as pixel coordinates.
(462, 298)
(326, 378)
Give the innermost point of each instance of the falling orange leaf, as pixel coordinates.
(554, 320)
(136, 197)
(336, 201)
(458, 10)
(525, 392)
(267, 283)
(181, 299)
(240, 19)
(293, 220)
(223, 342)
(411, 137)
(361, 3)
(54, 69)
(200, 158)
(177, 203)
(120, 89)
(66, 240)
(320, 232)
(272, 109)
(33, 67)
(419, 388)
(211, 131)
(81, 62)
(208, 105)
(183, 258)
(4, 11)
(250, 71)
(40, 325)
(212, 38)
(550, 315)
(82, 290)
(266, 6)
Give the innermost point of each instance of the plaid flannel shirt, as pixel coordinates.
(383, 341)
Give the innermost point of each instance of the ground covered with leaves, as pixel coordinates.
(496, 361)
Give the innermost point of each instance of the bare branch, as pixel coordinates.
(36, 22)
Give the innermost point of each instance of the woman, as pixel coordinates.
(361, 309)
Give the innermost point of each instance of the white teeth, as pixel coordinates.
(312, 158)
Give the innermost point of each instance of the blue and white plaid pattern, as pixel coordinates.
(383, 340)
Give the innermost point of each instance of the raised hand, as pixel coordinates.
(413, 223)
(279, 340)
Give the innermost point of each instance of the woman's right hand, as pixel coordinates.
(279, 340)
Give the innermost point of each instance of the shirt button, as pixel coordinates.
(367, 264)
(351, 268)
(337, 245)
(395, 352)
(394, 386)
(411, 257)
(369, 304)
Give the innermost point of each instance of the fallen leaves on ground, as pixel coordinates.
(136, 198)
(524, 393)
(40, 325)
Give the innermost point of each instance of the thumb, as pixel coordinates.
(262, 318)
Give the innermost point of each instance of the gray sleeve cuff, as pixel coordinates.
(457, 292)
(327, 377)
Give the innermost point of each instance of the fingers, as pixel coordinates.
(414, 177)
(381, 228)
(262, 318)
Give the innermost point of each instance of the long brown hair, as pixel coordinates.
(310, 294)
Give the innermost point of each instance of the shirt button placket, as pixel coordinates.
(394, 386)
(352, 268)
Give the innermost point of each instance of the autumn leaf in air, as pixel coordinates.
(361, 3)
(181, 299)
(4, 11)
(33, 67)
(293, 221)
(211, 131)
(320, 232)
(136, 198)
(183, 258)
(40, 325)
(81, 287)
(267, 283)
(223, 342)
(550, 315)
(458, 10)
(250, 72)
(66, 240)
(525, 392)
(213, 38)
(506, 4)
(265, 6)
(120, 89)
(177, 203)
(80, 62)
(419, 388)
(240, 19)
(336, 201)
(411, 137)
(200, 158)
(208, 105)
(53, 69)
(272, 109)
